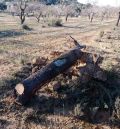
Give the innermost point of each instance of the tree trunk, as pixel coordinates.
(92, 17)
(118, 20)
(89, 16)
(29, 86)
(38, 17)
(66, 18)
(102, 17)
(22, 17)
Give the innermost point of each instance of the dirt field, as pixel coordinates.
(18, 47)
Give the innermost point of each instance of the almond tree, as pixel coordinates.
(91, 12)
(38, 11)
(92, 16)
(68, 11)
(102, 12)
(103, 15)
(23, 5)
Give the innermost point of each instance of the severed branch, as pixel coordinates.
(77, 44)
(27, 88)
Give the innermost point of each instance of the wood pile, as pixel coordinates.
(76, 62)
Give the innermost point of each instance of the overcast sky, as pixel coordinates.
(103, 2)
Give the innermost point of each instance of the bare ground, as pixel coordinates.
(18, 47)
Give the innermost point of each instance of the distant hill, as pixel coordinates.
(55, 2)
(49, 2)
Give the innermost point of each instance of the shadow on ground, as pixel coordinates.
(3, 124)
(10, 33)
(75, 27)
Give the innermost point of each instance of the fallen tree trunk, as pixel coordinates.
(27, 88)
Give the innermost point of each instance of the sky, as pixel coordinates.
(103, 2)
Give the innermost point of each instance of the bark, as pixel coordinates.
(118, 20)
(66, 18)
(27, 88)
(103, 16)
(22, 17)
(38, 17)
(89, 16)
(92, 17)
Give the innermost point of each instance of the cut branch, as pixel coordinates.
(27, 88)
(78, 45)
